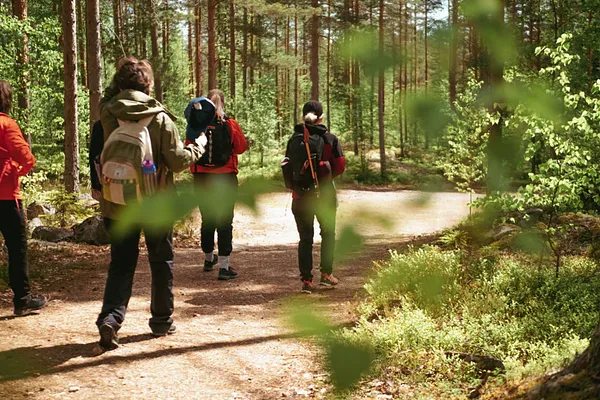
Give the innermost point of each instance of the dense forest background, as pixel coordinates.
(405, 77)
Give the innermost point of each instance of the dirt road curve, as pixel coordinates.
(232, 342)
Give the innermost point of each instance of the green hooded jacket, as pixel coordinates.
(170, 156)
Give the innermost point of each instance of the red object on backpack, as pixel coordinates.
(16, 158)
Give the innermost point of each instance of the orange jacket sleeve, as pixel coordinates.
(238, 139)
(18, 148)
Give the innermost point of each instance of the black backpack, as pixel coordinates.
(298, 167)
(218, 147)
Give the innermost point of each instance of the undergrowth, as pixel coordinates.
(428, 305)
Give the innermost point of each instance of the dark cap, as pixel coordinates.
(314, 107)
(198, 114)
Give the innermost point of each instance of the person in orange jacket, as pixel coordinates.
(16, 160)
(218, 165)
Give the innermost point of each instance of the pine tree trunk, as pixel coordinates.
(495, 156)
(70, 75)
(165, 30)
(314, 51)
(81, 44)
(156, 61)
(232, 49)
(94, 59)
(426, 32)
(401, 83)
(415, 70)
(190, 49)
(381, 94)
(328, 83)
(296, 106)
(453, 53)
(117, 29)
(198, 63)
(212, 57)
(19, 8)
(245, 53)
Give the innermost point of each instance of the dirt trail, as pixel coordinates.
(232, 342)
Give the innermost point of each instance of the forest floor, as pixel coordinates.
(232, 340)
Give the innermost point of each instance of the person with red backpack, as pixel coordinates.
(217, 166)
(312, 159)
(16, 160)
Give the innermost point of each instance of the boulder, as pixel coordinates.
(87, 200)
(502, 231)
(35, 209)
(91, 231)
(52, 234)
(34, 223)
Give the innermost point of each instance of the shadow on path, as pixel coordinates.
(35, 361)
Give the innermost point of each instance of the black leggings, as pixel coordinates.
(14, 230)
(217, 211)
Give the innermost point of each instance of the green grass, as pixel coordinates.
(428, 302)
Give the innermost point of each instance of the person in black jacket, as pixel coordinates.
(308, 205)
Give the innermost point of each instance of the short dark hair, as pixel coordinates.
(135, 75)
(5, 97)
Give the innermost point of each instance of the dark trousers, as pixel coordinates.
(217, 204)
(305, 209)
(14, 230)
(123, 261)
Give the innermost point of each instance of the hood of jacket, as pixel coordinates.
(132, 105)
(312, 129)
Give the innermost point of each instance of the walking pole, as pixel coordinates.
(312, 168)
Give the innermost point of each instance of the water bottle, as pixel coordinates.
(149, 173)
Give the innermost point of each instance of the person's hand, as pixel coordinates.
(201, 140)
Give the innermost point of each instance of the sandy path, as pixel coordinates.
(232, 341)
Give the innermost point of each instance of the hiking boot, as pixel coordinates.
(227, 274)
(33, 304)
(328, 280)
(171, 331)
(209, 265)
(109, 340)
(308, 287)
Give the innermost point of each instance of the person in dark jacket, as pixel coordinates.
(307, 206)
(16, 160)
(214, 168)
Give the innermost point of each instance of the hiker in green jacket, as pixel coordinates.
(127, 103)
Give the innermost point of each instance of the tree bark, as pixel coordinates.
(94, 59)
(453, 53)
(71, 148)
(232, 49)
(156, 61)
(381, 94)
(19, 8)
(212, 58)
(81, 44)
(314, 50)
(328, 84)
(245, 53)
(198, 64)
(495, 156)
(296, 105)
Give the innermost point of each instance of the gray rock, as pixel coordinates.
(502, 231)
(87, 200)
(34, 210)
(52, 234)
(34, 223)
(91, 231)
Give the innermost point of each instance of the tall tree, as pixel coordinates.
(156, 61)
(198, 53)
(453, 52)
(19, 8)
(232, 48)
(381, 92)
(70, 74)
(212, 56)
(81, 44)
(94, 59)
(314, 49)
